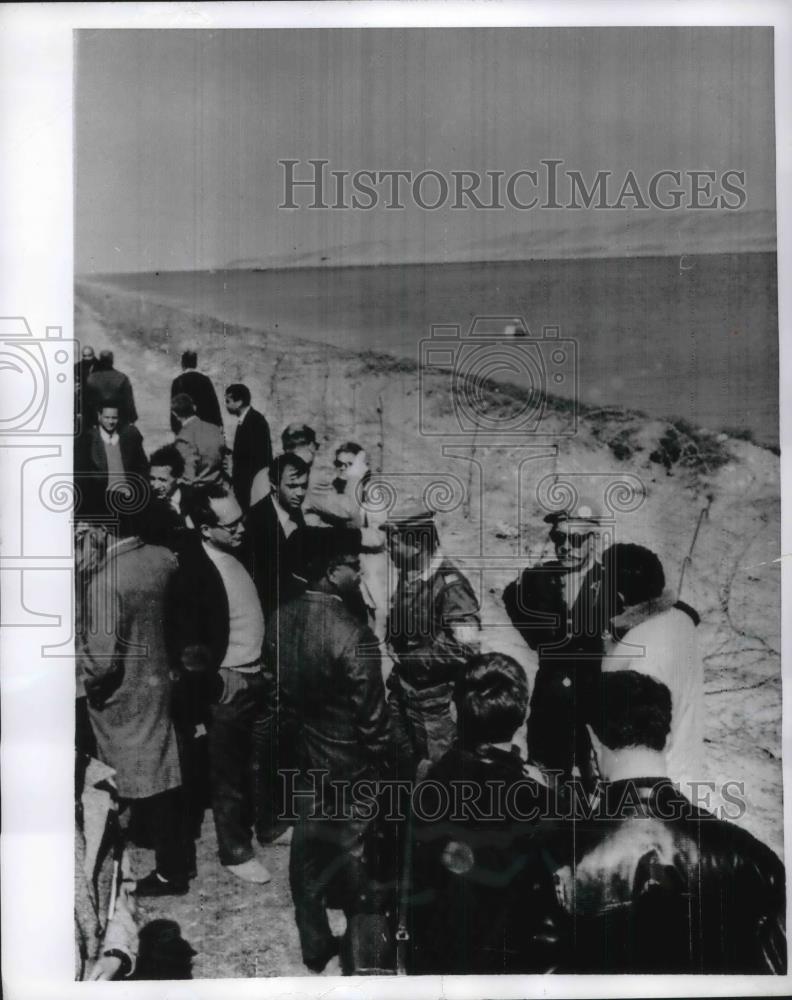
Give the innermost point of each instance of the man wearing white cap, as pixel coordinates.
(559, 609)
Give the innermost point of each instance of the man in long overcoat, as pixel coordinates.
(126, 665)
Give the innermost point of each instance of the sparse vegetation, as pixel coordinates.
(687, 446)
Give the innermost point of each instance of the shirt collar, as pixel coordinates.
(122, 545)
(243, 413)
(109, 438)
(284, 516)
(432, 566)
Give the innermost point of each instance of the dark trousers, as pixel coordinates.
(162, 821)
(326, 863)
(421, 725)
(243, 770)
(84, 739)
(557, 735)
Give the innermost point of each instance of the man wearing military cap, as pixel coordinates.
(559, 608)
(432, 629)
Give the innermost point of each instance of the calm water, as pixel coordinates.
(695, 337)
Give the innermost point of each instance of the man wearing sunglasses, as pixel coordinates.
(222, 632)
(559, 609)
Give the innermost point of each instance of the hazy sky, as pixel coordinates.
(179, 133)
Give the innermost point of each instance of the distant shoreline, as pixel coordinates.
(687, 336)
(109, 276)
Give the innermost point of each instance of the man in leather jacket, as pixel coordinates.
(333, 719)
(659, 885)
(482, 899)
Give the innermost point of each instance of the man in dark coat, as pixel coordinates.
(106, 384)
(560, 610)
(274, 527)
(199, 388)
(482, 899)
(252, 442)
(432, 630)
(333, 715)
(658, 885)
(221, 634)
(82, 370)
(109, 458)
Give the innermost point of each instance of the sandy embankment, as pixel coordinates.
(496, 526)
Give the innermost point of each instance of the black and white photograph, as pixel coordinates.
(421, 430)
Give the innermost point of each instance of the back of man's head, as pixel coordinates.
(288, 460)
(322, 549)
(298, 436)
(633, 571)
(106, 359)
(182, 405)
(491, 698)
(634, 711)
(189, 359)
(239, 393)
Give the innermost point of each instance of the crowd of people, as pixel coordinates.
(274, 649)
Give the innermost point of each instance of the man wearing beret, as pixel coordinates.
(432, 630)
(559, 608)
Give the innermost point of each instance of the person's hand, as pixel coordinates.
(107, 967)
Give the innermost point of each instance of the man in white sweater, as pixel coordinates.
(654, 634)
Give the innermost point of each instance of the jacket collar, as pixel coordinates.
(639, 613)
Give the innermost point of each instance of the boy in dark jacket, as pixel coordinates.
(483, 897)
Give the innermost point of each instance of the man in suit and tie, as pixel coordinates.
(252, 442)
(274, 528)
(199, 388)
(561, 610)
(201, 444)
(169, 492)
(107, 384)
(109, 459)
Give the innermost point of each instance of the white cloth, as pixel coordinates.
(665, 647)
(260, 487)
(245, 618)
(175, 500)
